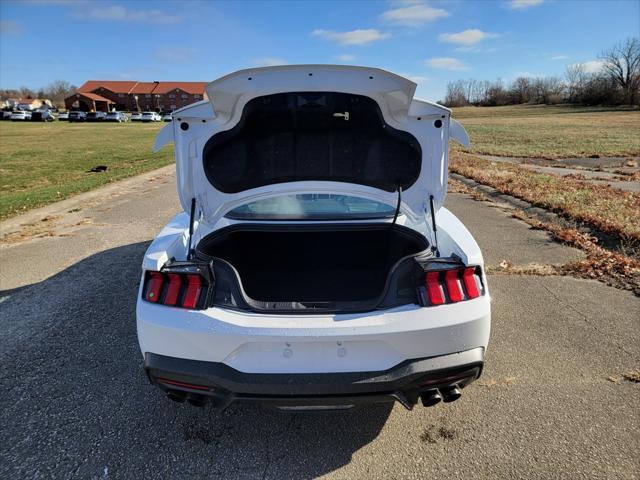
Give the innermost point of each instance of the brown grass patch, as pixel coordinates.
(610, 210)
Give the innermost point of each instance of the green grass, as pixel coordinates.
(551, 131)
(41, 163)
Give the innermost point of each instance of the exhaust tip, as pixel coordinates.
(451, 394)
(430, 398)
(176, 396)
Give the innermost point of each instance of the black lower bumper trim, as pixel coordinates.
(227, 385)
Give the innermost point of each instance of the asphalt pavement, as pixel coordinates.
(75, 403)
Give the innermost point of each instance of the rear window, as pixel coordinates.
(312, 206)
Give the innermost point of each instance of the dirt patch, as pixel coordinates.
(434, 434)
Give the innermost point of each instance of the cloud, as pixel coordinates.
(118, 13)
(466, 37)
(353, 37)
(413, 15)
(413, 78)
(446, 63)
(174, 54)
(346, 57)
(269, 61)
(8, 27)
(523, 4)
(592, 66)
(559, 57)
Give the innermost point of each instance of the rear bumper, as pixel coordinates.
(404, 382)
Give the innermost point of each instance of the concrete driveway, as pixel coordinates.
(75, 402)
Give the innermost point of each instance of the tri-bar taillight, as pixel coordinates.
(186, 290)
(452, 286)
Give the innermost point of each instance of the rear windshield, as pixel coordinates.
(312, 206)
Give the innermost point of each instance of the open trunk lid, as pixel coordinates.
(311, 129)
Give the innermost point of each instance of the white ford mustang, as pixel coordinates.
(314, 265)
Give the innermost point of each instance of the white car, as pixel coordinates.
(167, 117)
(63, 116)
(136, 117)
(20, 115)
(314, 265)
(151, 117)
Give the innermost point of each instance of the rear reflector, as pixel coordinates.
(452, 286)
(166, 381)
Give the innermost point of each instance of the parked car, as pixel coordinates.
(77, 116)
(63, 116)
(150, 117)
(119, 117)
(136, 117)
(314, 265)
(42, 116)
(166, 117)
(6, 114)
(20, 115)
(95, 116)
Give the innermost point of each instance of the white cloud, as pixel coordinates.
(118, 13)
(269, 61)
(353, 37)
(8, 27)
(522, 4)
(413, 78)
(559, 57)
(174, 54)
(466, 37)
(415, 14)
(346, 57)
(446, 63)
(592, 66)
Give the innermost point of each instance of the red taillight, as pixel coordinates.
(434, 289)
(174, 289)
(452, 286)
(154, 287)
(470, 284)
(194, 286)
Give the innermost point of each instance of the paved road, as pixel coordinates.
(75, 403)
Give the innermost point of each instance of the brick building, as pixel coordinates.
(106, 95)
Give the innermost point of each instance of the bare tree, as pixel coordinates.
(622, 64)
(576, 77)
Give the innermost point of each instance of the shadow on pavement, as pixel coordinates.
(76, 402)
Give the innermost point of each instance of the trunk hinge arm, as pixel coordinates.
(434, 247)
(395, 216)
(192, 213)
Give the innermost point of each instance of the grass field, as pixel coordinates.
(41, 163)
(551, 131)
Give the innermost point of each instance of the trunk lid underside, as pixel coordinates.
(311, 129)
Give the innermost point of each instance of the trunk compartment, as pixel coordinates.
(316, 267)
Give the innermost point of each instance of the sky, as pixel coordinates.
(430, 42)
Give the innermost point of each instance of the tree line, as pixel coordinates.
(616, 83)
(56, 92)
